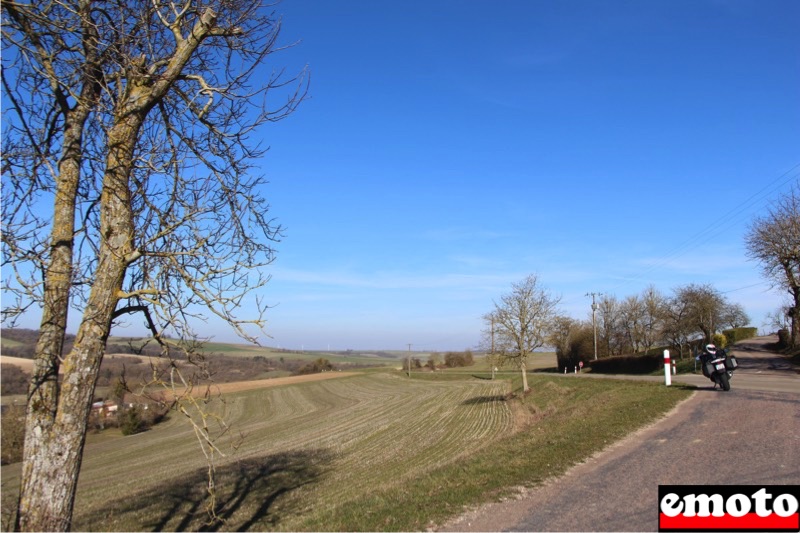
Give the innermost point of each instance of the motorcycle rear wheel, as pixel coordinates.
(724, 382)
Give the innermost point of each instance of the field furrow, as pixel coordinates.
(355, 434)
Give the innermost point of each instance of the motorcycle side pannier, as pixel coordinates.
(710, 369)
(731, 363)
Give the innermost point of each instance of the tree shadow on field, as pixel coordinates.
(477, 400)
(251, 492)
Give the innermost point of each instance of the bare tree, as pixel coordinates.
(705, 308)
(609, 319)
(562, 334)
(774, 241)
(734, 316)
(654, 305)
(572, 339)
(632, 314)
(678, 326)
(778, 319)
(127, 158)
(522, 322)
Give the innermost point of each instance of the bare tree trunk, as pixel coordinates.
(525, 387)
(794, 313)
(41, 429)
(55, 448)
(47, 455)
(50, 476)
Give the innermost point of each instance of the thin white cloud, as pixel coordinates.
(389, 280)
(462, 234)
(480, 262)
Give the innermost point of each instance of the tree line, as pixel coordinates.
(527, 318)
(638, 323)
(690, 314)
(447, 360)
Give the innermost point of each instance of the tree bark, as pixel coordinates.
(42, 433)
(54, 454)
(795, 316)
(522, 367)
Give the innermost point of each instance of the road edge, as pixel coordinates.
(504, 514)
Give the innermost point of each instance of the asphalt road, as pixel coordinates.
(749, 435)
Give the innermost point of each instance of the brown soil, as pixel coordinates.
(25, 364)
(239, 386)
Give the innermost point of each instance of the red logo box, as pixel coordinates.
(728, 508)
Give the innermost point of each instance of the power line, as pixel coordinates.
(721, 223)
(747, 287)
(713, 229)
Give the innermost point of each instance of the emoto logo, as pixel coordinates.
(728, 508)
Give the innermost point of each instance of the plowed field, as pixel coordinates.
(302, 448)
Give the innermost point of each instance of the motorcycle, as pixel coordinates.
(719, 368)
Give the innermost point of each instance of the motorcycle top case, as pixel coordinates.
(731, 363)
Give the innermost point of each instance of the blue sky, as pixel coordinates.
(450, 148)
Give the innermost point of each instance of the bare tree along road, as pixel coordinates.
(749, 435)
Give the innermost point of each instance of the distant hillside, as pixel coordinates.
(220, 362)
(17, 342)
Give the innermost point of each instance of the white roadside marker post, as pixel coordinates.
(667, 365)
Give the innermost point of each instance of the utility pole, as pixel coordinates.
(409, 361)
(594, 323)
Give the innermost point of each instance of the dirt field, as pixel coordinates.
(329, 441)
(240, 386)
(24, 364)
